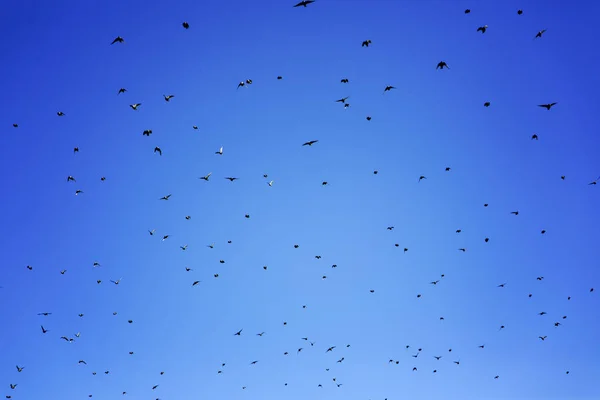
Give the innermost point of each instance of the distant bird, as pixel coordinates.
(241, 84)
(238, 333)
(270, 183)
(158, 150)
(231, 179)
(77, 192)
(368, 117)
(344, 80)
(467, 11)
(534, 137)
(165, 237)
(366, 43)
(486, 104)
(543, 337)
(205, 177)
(343, 100)
(15, 125)
(135, 106)
(304, 3)
(388, 88)
(151, 232)
(482, 29)
(43, 330)
(183, 247)
(279, 77)
(540, 33)
(547, 106)
(514, 212)
(167, 197)
(310, 143)
(122, 90)
(117, 281)
(185, 25)
(60, 114)
(75, 150)
(62, 271)
(168, 97)
(421, 178)
(195, 283)
(441, 65)
(20, 369)
(118, 39)
(220, 152)
(147, 132)
(45, 314)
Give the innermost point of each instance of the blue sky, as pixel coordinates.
(58, 57)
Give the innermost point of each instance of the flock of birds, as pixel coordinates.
(417, 351)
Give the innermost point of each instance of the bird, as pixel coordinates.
(547, 106)
(441, 65)
(185, 25)
(151, 232)
(366, 43)
(543, 337)
(167, 197)
(310, 143)
(195, 283)
(486, 104)
(20, 369)
(168, 97)
(135, 106)
(238, 333)
(60, 114)
(220, 152)
(205, 177)
(121, 90)
(75, 150)
(422, 177)
(231, 179)
(270, 183)
(388, 88)
(44, 330)
(519, 12)
(147, 132)
(539, 34)
(118, 39)
(304, 3)
(344, 80)
(158, 150)
(467, 11)
(343, 100)
(15, 125)
(534, 137)
(514, 212)
(279, 77)
(482, 29)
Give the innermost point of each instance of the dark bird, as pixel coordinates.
(388, 88)
(519, 12)
(543, 337)
(19, 369)
(482, 29)
(147, 132)
(366, 43)
(467, 11)
(231, 179)
(44, 330)
(118, 39)
(310, 143)
(534, 137)
(60, 114)
(343, 100)
(547, 106)
(168, 97)
(15, 125)
(441, 65)
(122, 90)
(422, 177)
(75, 150)
(158, 150)
(205, 177)
(165, 197)
(304, 3)
(238, 333)
(185, 25)
(344, 80)
(486, 104)
(135, 106)
(540, 33)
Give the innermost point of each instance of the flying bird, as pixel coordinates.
(158, 150)
(118, 39)
(304, 3)
(122, 90)
(441, 65)
(205, 177)
(168, 97)
(366, 43)
(135, 106)
(220, 152)
(185, 25)
(482, 29)
(540, 33)
(547, 106)
(310, 143)
(388, 88)
(165, 197)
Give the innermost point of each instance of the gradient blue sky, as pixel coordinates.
(57, 57)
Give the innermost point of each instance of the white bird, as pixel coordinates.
(220, 152)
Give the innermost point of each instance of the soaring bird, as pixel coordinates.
(547, 106)
(135, 106)
(147, 132)
(482, 28)
(60, 114)
(304, 3)
(44, 330)
(205, 177)
(388, 88)
(165, 197)
(168, 97)
(310, 143)
(118, 39)
(366, 43)
(231, 179)
(158, 150)
(122, 90)
(441, 65)
(343, 100)
(540, 33)
(344, 80)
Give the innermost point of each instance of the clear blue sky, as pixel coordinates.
(58, 57)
